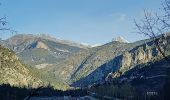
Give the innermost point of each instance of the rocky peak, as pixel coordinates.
(38, 44)
(41, 45)
(120, 39)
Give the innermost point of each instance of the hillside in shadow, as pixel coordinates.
(148, 80)
(8, 92)
(92, 77)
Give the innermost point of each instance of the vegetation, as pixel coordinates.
(50, 79)
(123, 91)
(13, 72)
(8, 92)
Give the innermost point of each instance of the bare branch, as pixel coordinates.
(154, 26)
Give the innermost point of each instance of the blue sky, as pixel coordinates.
(86, 21)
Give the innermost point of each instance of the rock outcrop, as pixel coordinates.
(120, 39)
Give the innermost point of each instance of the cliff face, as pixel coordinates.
(140, 56)
(13, 72)
(146, 53)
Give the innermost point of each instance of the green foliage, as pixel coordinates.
(13, 72)
(115, 91)
(49, 78)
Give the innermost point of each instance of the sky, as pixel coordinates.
(85, 21)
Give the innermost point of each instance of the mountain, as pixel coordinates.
(42, 50)
(120, 39)
(15, 73)
(83, 67)
(95, 64)
(83, 63)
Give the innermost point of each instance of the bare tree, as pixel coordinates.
(157, 27)
(3, 23)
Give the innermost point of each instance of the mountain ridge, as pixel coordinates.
(39, 49)
(85, 67)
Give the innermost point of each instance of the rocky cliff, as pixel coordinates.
(126, 59)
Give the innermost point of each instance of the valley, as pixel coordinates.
(85, 50)
(65, 66)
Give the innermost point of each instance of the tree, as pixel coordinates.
(157, 27)
(3, 23)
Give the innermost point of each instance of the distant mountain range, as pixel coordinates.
(81, 66)
(42, 50)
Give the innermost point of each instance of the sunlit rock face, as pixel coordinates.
(139, 56)
(38, 44)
